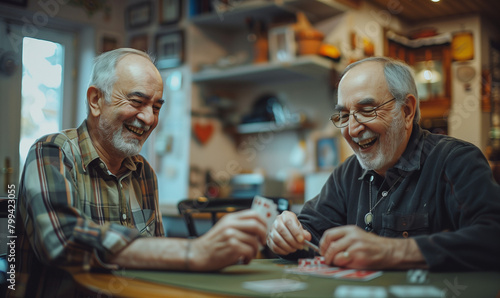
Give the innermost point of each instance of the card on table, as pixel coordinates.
(359, 292)
(417, 291)
(274, 285)
(360, 275)
(317, 267)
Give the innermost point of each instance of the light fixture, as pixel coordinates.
(435, 0)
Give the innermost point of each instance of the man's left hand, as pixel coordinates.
(352, 247)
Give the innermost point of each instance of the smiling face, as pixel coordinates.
(130, 114)
(379, 143)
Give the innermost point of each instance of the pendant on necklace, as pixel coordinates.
(385, 193)
(368, 218)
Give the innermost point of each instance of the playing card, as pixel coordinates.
(360, 275)
(416, 291)
(359, 292)
(274, 285)
(266, 208)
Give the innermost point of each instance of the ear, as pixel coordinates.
(409, 110)
(94, 99)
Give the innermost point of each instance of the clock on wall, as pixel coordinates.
(462, 46)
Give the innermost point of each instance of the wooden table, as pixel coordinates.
(227, 283)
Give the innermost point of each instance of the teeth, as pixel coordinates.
(364, 142)
(136, 130)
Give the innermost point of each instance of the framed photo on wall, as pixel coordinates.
(140, 42)
(170, 49)
(170, 11)
(138, 15)
(108, 40)
(327, 153)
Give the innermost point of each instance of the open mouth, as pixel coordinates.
(135, 130)
(365, 144)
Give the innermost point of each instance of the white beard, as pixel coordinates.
(125, 147)
(385, 151)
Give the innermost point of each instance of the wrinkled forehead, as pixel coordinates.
(362, 85)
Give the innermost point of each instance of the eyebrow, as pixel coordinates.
(363, 102)
(145, 96)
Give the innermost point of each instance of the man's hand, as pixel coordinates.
(287, 234)
(352, 247)
(236, 237)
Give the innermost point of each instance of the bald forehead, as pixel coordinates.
(371, 67)
(365, 80)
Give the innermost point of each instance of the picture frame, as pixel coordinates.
(170, 11)
(282, 46)
(170, 49)
(107, 41)
(138, 15)
(140, 42)
(327, 153)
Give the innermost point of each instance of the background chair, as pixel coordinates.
(218, 206)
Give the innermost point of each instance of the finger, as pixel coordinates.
(248, 224)
(279, 246)
(247, 214)
(343, 258)
(331, 235)
(332, 243)
(293, 225)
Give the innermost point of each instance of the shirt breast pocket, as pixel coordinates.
(146, 222)
(404, 226)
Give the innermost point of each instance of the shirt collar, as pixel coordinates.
(89, 153)
(410, 160)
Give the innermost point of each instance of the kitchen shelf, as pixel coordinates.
(249, 128)
(315, 10)
(301, 68)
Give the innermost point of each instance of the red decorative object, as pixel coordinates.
(203, 132)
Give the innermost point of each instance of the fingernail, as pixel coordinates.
(300, 238)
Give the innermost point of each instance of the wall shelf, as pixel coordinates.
(249, 128)
(301, 68)
(315, 10)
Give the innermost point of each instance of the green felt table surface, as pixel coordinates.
(229, 280)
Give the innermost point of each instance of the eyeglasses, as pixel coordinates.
(341, 119)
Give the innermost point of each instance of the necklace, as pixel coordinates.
(369, 215)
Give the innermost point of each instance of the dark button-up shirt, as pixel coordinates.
(441, 193)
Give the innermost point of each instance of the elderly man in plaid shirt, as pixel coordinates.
(87, 198)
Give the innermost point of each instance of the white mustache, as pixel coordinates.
(137, 123)
(366, 135)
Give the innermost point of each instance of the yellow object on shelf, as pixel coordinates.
(329, 51)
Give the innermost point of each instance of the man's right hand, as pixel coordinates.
(235, 238)
(287, 234)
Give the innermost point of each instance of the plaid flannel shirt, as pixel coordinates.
(73, 212)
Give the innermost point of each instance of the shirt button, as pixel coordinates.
(102, 165)
(124, 216)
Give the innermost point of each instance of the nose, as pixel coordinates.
(146, 115)
(354, 127)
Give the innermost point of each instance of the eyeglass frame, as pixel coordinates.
(353, 113)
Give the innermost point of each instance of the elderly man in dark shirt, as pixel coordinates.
(407, 198)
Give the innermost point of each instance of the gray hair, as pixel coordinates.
(104, 70)
(399, 77)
